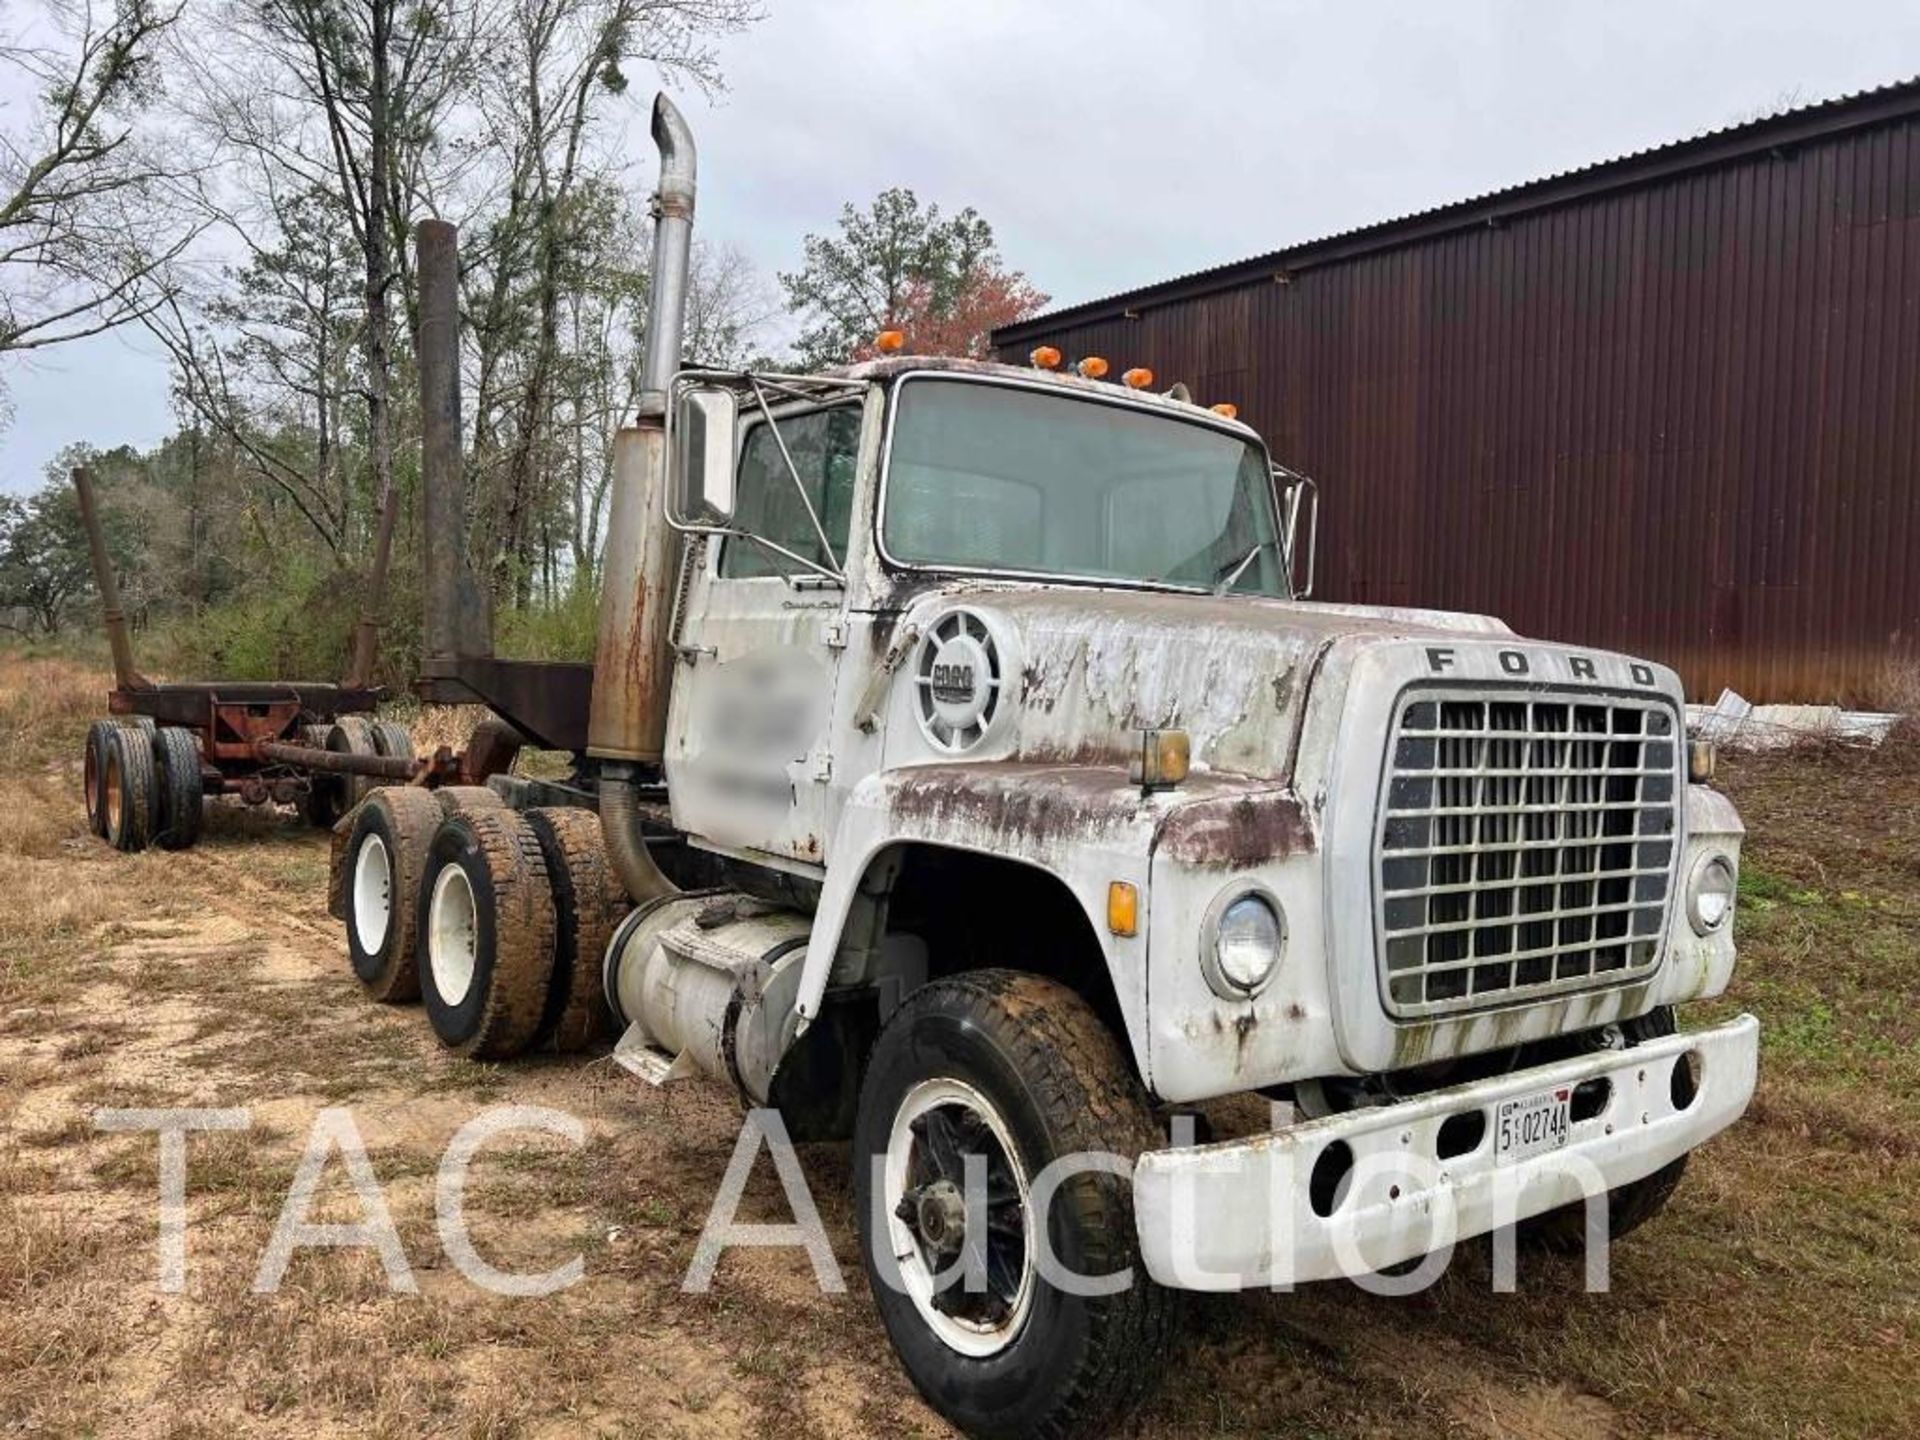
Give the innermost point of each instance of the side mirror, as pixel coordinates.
(703, 458)
(1299, 508)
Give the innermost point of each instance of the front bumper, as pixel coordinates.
(1243, 1213)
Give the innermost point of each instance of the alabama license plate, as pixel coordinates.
(1532, 1124)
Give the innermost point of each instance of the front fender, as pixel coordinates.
(1086, 825)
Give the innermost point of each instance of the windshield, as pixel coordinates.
(999, 477)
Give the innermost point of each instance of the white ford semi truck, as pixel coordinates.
(968, 778)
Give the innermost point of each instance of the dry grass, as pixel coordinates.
(1776, 1297)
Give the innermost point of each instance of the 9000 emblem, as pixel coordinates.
(957, 681)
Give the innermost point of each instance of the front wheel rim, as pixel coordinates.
(372, 894)
(453, 934)
(938, 1125)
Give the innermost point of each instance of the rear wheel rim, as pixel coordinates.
(939, 1123)
(453, 934)
(114, 800)
(372, 894)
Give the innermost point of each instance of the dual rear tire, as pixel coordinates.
(142, 784)
(496, 920)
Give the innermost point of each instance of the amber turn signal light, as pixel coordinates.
(1164, 759)
(1138, 378)
(1045, 357)
(888, 342)
(1092, 368)
(1123, 909)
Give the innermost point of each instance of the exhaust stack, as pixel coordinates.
(633, 664)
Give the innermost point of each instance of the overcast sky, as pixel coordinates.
(1118, 143)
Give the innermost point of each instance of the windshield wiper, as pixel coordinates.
(1225, 576)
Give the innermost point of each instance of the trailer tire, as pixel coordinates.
(93, 770)
(128, 783)
(1013, 1066)
(325, 800)
(392, 739)
(353, 735)
(486, 929)
(176, 758)
(588, 904)
(381, 870)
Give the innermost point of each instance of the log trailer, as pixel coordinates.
(964, 773)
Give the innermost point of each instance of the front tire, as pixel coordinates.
(1014, 1072)
(1629, 1206)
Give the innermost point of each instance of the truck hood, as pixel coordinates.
(1089, 668)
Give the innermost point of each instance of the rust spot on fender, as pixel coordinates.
(1238, 832)
(1037, 805)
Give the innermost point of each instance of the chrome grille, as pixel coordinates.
(1525, 847)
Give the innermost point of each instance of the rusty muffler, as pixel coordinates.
(633, 664)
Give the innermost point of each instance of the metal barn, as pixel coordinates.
(1669, 403)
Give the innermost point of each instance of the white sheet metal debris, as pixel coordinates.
(1739, 724)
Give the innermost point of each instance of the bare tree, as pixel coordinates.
(90, 223)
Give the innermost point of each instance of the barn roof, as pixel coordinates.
(1775, 134)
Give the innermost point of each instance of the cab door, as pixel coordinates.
(749, 757)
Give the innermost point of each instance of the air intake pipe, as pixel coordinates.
(633, 663)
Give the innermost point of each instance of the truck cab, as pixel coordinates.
(977, 781)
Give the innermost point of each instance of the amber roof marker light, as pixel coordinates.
(1045, 357)
(1226, 410)
(1092, 368)
(890, 342)
(1138, 378)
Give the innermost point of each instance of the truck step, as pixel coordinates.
(635, 1052)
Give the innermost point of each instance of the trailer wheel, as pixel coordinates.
(325, 800)
(381, 869)
(128, 784)
(353, 735)
(486, 924)
(392, 739)
(93, 774)
(588, 903)
(176, 758)
(1019, 1072)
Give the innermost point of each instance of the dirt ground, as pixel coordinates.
(1777, 1296)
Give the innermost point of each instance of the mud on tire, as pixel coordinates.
(176, 756)
(589, 902)
(486, 928)
(381, 867)
(1052, 1072)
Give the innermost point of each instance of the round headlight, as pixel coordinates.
(1240, 955)
(1710, 894)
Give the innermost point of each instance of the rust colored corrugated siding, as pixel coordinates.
(1678, 420)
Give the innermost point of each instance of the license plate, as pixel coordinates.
(1532, 1124)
